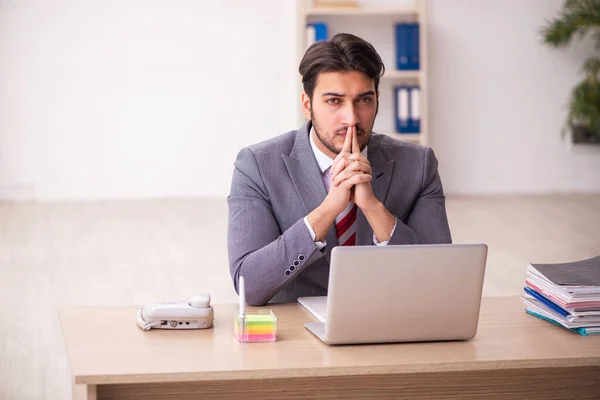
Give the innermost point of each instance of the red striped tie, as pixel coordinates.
(345, 222)
(345, 225)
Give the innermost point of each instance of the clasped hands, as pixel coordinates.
(351, 177)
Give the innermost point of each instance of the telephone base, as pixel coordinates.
(197, 313)
(180, 324)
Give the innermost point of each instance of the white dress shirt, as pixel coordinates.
(325, 162)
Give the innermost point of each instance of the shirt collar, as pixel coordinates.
(323, 159)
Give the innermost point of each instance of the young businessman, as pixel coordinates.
(332, 182)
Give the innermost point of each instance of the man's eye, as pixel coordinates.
(333, 100)
(366, 100)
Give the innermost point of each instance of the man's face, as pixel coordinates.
(341, 99)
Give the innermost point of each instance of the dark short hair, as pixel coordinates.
(343, 52)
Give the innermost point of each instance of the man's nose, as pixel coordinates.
(351, 116)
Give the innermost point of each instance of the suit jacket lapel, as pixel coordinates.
(306, 177)
(382, 176)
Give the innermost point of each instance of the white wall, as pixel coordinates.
(498, 100)
(127, 99)
(139, 98)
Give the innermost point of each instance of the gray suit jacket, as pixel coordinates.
(278, 182)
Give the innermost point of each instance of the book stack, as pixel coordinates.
(565, 294)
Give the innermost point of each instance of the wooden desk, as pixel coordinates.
(513, 356)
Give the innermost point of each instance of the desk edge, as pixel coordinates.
(334, 371)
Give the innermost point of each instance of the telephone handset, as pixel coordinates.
(195, 313)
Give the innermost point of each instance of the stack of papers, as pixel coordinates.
(566, 294)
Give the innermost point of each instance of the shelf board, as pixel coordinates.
(396, 74)
(362, 11)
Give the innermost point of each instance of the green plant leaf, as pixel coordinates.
(577, 19)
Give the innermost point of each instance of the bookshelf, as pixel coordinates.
(376, 25)
(361, 11)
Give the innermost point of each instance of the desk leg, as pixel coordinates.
(84, 392)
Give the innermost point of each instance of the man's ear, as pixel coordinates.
(306, 105)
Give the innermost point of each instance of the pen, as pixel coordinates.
(242, 292)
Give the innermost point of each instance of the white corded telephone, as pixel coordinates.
(195, 313)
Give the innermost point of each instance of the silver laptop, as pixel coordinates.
(400, 294)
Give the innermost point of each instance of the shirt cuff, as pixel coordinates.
(377, 242)
(319, 245)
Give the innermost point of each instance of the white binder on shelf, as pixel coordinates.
(415, 109)
(310, 35)
(401, 98)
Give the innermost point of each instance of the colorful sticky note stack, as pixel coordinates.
(256, 327)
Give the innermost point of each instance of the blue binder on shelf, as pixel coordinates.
(315, 31)
(413, 46)
(407, 46)
(407, 109)
(402, 57)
